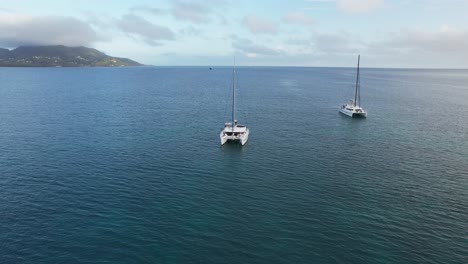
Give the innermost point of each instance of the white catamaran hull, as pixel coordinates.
(234, 138)
(353, 113)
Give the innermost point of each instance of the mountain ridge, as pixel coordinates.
(60, 56)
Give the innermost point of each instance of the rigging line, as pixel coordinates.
(226, 99)
(241, 101)
(357, 82)
(234, 95)
(359, 94)
(359, 85)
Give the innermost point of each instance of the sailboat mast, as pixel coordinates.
(233, 95)
(357, 81)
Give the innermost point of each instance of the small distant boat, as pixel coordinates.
(233, 131)
(352, 108)
(211, 68)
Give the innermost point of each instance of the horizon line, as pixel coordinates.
(300, 66)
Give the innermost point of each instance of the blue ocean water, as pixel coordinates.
(124, 165)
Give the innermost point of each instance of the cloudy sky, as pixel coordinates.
(387, 33)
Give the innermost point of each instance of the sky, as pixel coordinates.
(322, 33)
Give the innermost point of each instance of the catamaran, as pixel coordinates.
(352, 108)
(233, 131)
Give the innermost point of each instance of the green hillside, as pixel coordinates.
(60, 56)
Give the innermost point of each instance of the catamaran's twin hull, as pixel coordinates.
(353, 113)
(242, 139)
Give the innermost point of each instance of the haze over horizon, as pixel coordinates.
(330, 33)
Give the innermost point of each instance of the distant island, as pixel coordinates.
(60, 56)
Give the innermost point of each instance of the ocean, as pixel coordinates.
(124, 165)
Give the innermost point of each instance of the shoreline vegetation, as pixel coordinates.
(60, 56)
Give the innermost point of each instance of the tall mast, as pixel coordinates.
(357, 81)
(233, 94)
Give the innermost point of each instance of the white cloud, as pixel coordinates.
(5, 10)
(258, 25)
(138, 26)
(297, 18)
(252, 50)
(338, 43)
(20, 30)
(147, 9)
(443, 41)
(191, 31)
(190, 11)
(358, 6)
